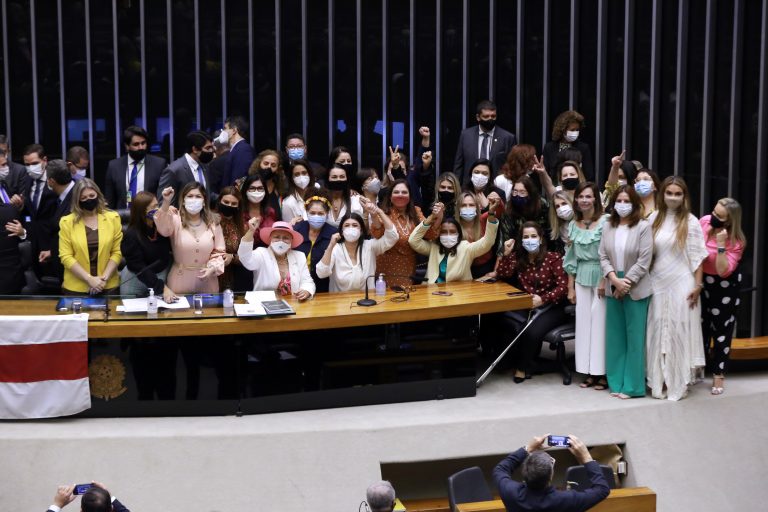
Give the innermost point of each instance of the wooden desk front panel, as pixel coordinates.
(628, 499)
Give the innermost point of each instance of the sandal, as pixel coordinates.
(588, 383)
(717, 390)
(601, 384)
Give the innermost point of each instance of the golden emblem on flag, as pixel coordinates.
(106, 374)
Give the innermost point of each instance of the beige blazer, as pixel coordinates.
(638, 254)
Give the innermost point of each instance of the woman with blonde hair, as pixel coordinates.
(674, 345)
(89, 242)
(725, 243)
(560, 215)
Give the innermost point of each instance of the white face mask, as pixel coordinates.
(279, 247)
(623, 209)
(571, 136)
(622, 182)
(301, 181)
(351, 234)
(448, 241)
(565, 212)
(468, 213)
(373, 186)
(193, 204)
(4, 172)
(80, 172)
(255, 196)
(35, 171)
(479, 180)
(223, 137)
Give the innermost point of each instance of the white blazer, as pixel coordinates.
(344, 275)
(266, 275)
(293, 207)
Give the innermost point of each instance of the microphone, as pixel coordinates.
(366, 302)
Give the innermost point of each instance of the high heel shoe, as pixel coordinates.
(516, 379)
(718, 390)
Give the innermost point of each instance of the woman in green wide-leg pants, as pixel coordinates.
(625, 252)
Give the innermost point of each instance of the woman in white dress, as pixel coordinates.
(674, 346)
(300, 186)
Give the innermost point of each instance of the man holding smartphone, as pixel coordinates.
(536, 492)
(95, 499)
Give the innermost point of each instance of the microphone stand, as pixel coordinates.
(367, 302)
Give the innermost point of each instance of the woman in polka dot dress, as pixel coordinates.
(725, 243)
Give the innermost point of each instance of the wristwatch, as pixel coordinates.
(721, 250)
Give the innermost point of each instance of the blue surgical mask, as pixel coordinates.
(468, 213)
(644, 188)
(295, 153)
(316, 221)
(531, 244)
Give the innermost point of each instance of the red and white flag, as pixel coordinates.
(43, 366)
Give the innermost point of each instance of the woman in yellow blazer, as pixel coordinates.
(89, 242)
(450, 257)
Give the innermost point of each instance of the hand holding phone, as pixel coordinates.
(562, 441)
(81, 488)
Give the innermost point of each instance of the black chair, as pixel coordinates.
(577, 477)
(557, 338)
(467, 486)
(32, 284)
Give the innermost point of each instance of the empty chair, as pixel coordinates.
(577, 477)
(467, 486)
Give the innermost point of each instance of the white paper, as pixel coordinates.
(140, 305)
(250, 310)
(257, 297)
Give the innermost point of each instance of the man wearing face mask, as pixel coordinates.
(39, 204)
(78, 162)
(13, 176)
(192, 166)
(485, 140)
(241, 153)
(134, 172)
(296, 149)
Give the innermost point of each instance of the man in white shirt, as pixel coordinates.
(134, 172)
(192, 166)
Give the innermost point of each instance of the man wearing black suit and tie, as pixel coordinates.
(192, 166)
(485, 140)
(134, 172)
(61, 181)
(39, 204)
(241, 154)
(13, 176)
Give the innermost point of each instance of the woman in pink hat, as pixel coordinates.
(277, 267)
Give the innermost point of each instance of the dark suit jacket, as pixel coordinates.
(116, 506)
(517, 496)
(321, 244)
(11, 279)
(178, 174)
(51, 230)
(114, 184)
(37, 226)
(466, 153)
(17, 175)
(216, 170)
(240, 159)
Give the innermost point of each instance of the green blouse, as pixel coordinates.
(581, 256)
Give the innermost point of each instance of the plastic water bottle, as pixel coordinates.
(152, 303)
(381, 285)
(228, 301)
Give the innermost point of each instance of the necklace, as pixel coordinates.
(405, 229)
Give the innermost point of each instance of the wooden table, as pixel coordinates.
(325, 311)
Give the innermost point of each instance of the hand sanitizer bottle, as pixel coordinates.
(381, 285)
(151, 303)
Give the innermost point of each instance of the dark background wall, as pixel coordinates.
(681, 84)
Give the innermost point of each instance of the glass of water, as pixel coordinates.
(197, 303)
(77, 306)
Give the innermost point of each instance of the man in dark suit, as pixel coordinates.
(13, 176)
(485, 140)
(133, 172)
(95, 499)
(296, 149)
(220, 164)
(241, 154)
(192, 166)
(12, 233)
(537, 493)
(61, 181)
(78, 162)
(39, 204)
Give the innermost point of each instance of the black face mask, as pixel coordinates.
(487, 124)
(715, 222)
(206, 157)
(519, 202)
(570, 183)
(266, 174)
(338, 185)
(137, 154)
(89, 204)
(446, 197)
(228, 211)
(398, 173)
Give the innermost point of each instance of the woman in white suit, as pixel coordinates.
(278, 266)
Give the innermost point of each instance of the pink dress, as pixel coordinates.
(190, 254)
